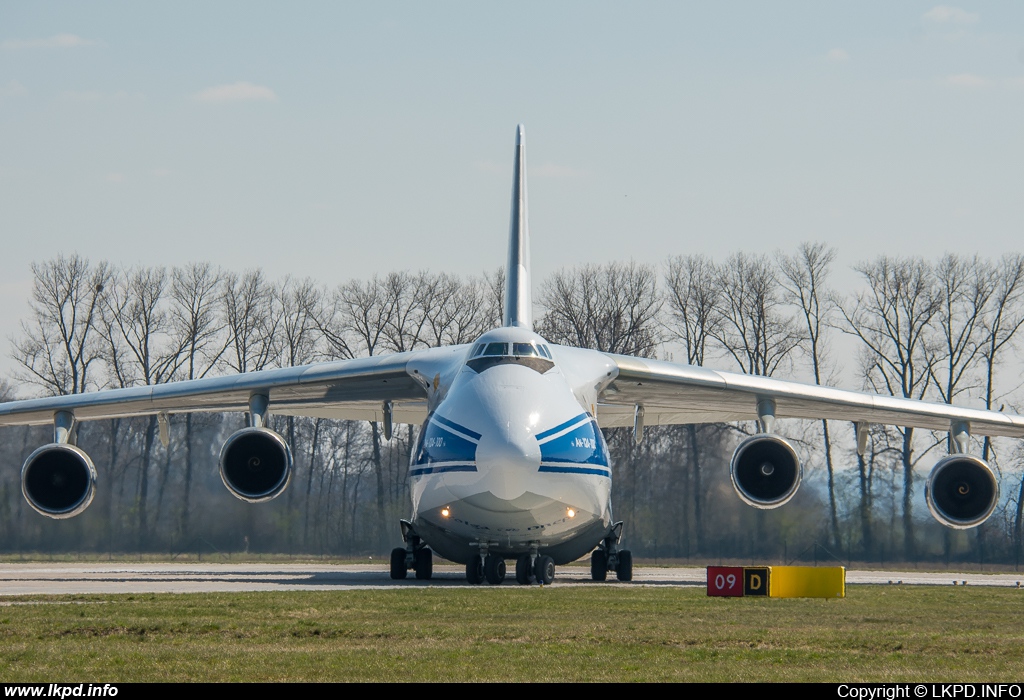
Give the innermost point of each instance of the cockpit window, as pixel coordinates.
(533, 355)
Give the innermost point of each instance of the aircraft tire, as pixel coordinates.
(475, 570)
(624, 571)
(544, 569)
(494, 569)
(398, 570)
(424, 564)
(599, 565)
(523, 570)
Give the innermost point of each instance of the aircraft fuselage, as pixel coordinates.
(510, 459)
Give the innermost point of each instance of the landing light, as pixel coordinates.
(445, 512)
(571, 513)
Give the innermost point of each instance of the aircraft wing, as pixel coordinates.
(680, 394)
(346, 389)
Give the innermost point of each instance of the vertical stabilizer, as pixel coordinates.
(518, 304)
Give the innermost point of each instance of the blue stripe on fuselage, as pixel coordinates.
(438, 443)
(455, 426)
(442, 468)
(560, 427)
(582, 445)
(575, 470)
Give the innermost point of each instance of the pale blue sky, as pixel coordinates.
(334, 139)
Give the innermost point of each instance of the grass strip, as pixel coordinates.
(511, 633)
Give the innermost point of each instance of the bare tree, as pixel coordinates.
(301, 304)
(754, 331)
(455, 311)
(358, 317)
(877, 456)
(142, 351)
(60, 345)
(495, 283)
(1002, 319)
(611, 308)
(251, 316)
(804, 279)
(407, 296)
(693, 304)
(138, 328)
(893, 320)
(364, 313)
(964, 289)
(195, 297)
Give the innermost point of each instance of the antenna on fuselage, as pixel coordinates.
(518, 304)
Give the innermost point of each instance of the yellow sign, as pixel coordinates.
(807, 582)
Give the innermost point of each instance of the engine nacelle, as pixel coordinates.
(961, 491)
(765, 471)
(58, 480)
(255, 464)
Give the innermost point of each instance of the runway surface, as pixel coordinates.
(72, 578)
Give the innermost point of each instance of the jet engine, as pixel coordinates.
(255, 464)
(961, 491)
(58, 480)
(765, 471)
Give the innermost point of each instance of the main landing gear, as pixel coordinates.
(608, 557)
(487, 567)
(492, 568)
(543, 569)
(414, 555)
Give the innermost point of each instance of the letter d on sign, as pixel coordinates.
(755, 580)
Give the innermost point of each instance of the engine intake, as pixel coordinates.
(765, 471)
(255, 464)
(58, 480)
(961, 491)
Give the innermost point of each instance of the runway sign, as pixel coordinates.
(777, 581)
(755, 580)
(808, 582)
(726, 581)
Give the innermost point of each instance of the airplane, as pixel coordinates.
(510, 462)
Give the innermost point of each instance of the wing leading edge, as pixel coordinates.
(673, 394)
(346, 389)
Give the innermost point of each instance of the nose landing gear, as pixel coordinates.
(414, 555)
(608, 557)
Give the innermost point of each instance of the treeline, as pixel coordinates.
(938, 331)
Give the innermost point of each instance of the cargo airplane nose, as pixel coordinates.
(505, 463)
